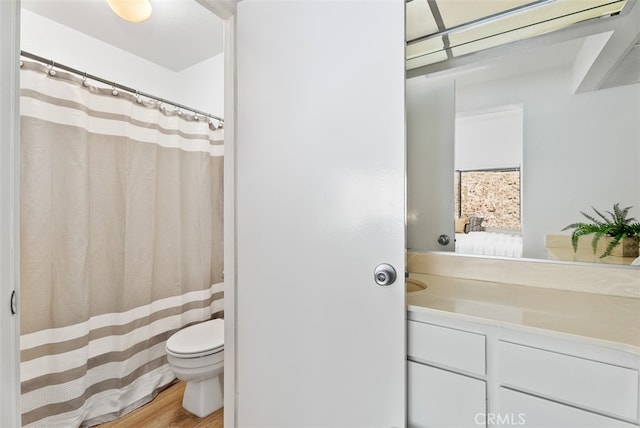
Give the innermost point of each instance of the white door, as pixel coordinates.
(319, 204)
(430, 164)
(9, 235)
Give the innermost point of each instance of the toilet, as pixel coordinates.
(196, 356)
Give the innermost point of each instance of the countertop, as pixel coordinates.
(611, 321)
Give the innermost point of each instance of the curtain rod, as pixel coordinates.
(115, 85)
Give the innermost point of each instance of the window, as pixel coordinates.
(493, 194)
(438, 30)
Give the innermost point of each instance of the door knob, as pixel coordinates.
(444, 239)
(384, 274)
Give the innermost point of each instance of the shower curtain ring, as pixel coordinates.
(114, 91)
(138, 99)
(84, 79)
(52, 72)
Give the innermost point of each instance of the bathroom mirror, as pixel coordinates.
(579, 94)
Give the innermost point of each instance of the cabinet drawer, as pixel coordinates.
(446, 346)
(439, 398)
(530, 411)
(577, 381)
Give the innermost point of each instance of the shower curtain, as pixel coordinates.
(121, 244)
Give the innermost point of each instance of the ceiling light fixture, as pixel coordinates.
(131, 10)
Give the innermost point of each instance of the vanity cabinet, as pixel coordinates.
(440, 398)
(534, 411)
(582, 383)
(442, 377)
(466, 373)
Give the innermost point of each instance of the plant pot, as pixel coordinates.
(628, 247)
(559, 247)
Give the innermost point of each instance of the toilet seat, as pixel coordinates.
(198, 340)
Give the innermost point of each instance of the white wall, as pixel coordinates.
(203, 85)
(199, 87)
(579, 150)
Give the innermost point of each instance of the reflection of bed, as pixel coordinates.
(489, 243)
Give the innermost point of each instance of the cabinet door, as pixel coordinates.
(438, 398)
(593, 385)
(459, 350)
(529, 411)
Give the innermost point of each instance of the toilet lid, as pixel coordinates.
(198, 338)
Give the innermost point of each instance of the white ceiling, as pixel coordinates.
(179, 33)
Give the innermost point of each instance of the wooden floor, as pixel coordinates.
(166, 411)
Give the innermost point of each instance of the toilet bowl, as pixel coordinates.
(196, 356)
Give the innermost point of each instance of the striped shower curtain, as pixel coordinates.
(121, 245)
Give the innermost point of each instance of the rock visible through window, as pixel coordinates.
(492, 194)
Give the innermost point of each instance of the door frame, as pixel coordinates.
(226, 11)
(10, 211)
(229, 219)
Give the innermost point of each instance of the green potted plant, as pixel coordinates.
(616, 226)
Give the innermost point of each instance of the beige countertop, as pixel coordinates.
(612, 321)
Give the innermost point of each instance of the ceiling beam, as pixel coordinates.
(223, 9)
(611, 53)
